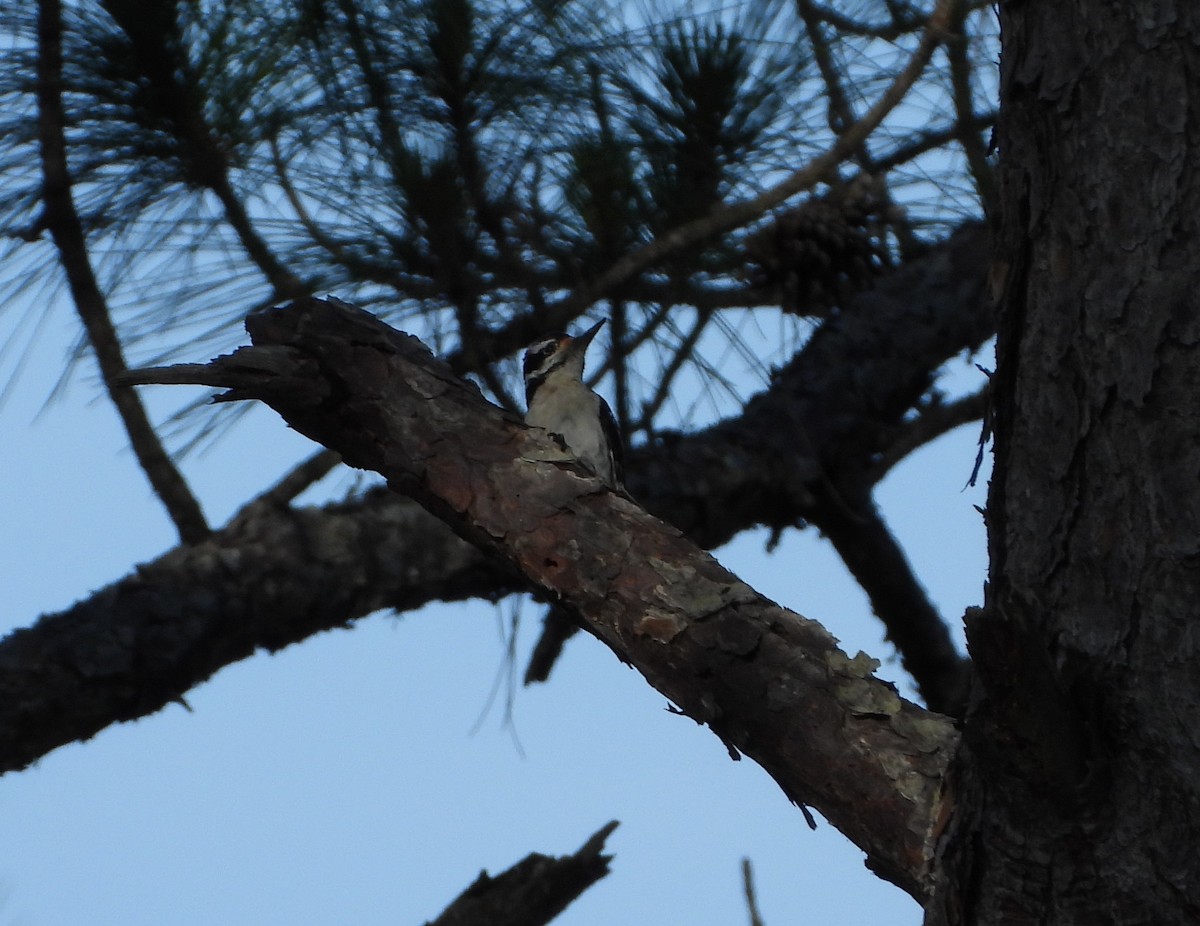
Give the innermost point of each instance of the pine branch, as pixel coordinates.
(141, 643)
(875, 559)
(67, 230)
(727, 217)
(155, 45)
(831, 734)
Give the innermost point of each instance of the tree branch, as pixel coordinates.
(271, 578)
(751, 898)
(875, 559)
(768, 682)
(534, 891)
(143, 642)
(932, 422)
(65, 227)
(973, 145)
(808, 443)
(833, 408)
(298, 479)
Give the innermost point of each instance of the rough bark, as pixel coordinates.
(834, 407)
(277, 575)
(1080, 795)
(273, 577)
(768, 682)
(807, 447)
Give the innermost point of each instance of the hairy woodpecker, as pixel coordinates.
(558, 401)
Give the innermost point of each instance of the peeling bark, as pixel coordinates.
(769, 683)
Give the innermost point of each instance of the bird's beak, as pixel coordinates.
(580, 342)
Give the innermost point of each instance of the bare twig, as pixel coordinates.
(923, 142)
(889, 31)
(683, 353)
(840, 112)
(931, 424)
(299, 478)
(751, 898)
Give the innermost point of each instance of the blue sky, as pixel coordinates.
(340, 781)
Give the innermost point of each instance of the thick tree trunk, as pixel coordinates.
(1080, 793)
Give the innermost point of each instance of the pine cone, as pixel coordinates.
(815, 256)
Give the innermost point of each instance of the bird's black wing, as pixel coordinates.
(612, 434)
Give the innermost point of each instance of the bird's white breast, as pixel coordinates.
(571, 410)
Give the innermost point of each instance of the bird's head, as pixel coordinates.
(557, 355)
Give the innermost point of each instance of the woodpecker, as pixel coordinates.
(558, 401)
